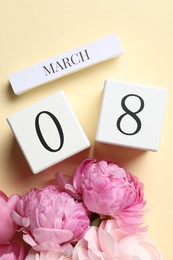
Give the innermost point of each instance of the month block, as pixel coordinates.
(131, 115)
(48, 132)
(66, 63)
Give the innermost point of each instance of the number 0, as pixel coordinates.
(39, 133)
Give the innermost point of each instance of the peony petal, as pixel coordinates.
(13, 200)
(139, 245)
(32, 255)
(59, 236)
(93, 201)
(107, 244)
(67, 249)
(128, 257)
(25, 222)
(20, 207)
(95, 255)
(91, 238)
(17, 218)
(3, 198)
(50, 255)
(11, 251)
(81, 250)
(72, 192)
(9, 256)
(29, 240)
(77, 179)
(48, 246)
(62, 180)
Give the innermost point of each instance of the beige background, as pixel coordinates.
(32, 31)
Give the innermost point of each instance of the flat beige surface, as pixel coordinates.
(32, 31)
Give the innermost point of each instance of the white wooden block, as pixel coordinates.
(66, 63)
(131, 115)
(48, 132)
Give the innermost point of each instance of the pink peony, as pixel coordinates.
(51, 255)
(108, 189)
(108, 242)
(11, 251)
(7, 225)
(51, 220)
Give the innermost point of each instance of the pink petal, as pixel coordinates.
(91, 238)
(29, 240)
(25, 222)
(58, 236)
(62, 180)
(12, 201)
(17, 218)
(9, 256)
(3, 197)
(108, 244)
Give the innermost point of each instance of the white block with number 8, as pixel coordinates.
(131, 115)
(48, 132)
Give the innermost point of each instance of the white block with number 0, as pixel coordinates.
(48, 132)
(131, 115)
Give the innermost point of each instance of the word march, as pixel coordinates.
(66, 62)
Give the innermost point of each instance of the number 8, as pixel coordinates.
(132, 114)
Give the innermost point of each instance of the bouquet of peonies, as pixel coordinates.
(97, 215)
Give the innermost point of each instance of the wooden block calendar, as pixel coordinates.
(66, 63)
(131, 115)
(48, 132)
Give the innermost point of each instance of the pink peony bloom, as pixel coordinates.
(51, 220)
(51, 255)
(108, 189)
(12, 251)
(108, 242)
(7, 225)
